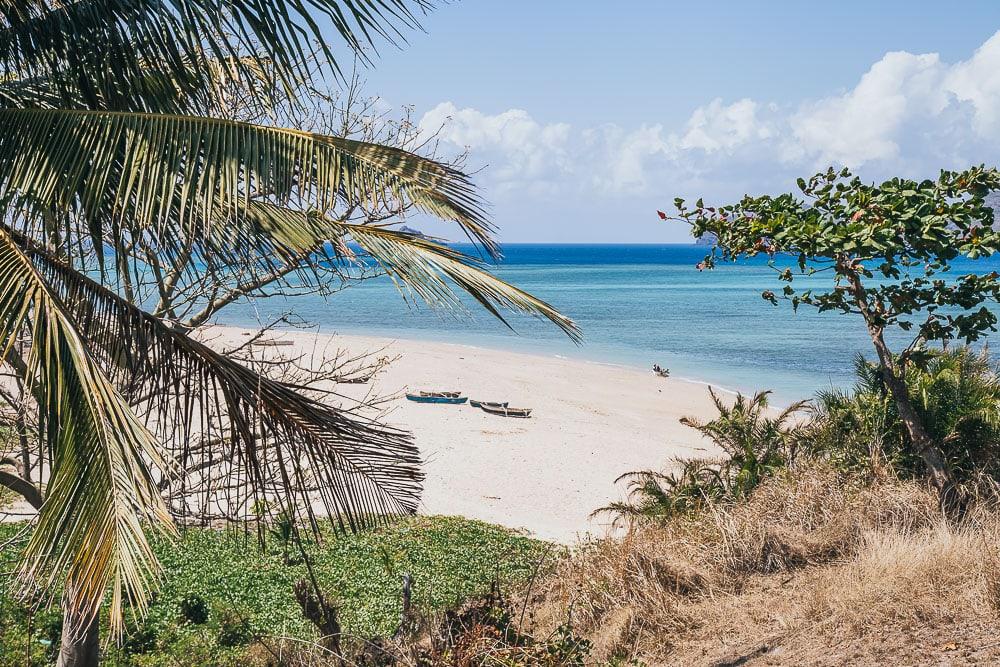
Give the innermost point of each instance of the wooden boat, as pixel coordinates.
(492, 404)
(449, 397)
(447, 394)
(504, 411)
(272, 342)
(361, 379)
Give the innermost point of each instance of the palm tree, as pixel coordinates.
(107, 136)
(753, 441)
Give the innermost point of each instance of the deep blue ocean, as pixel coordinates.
(637, 305)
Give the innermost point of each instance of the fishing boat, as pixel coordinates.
(449, 397)
(360, 379)
(492, 404)
(504, 411)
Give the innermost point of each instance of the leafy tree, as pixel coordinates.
(888, 250)
(116, 157)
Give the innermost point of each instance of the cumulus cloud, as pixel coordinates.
(528, 154)
(865, 123)
(906, 105)
(977, 81)
(523, 154)
(719, 127)
(909, 113)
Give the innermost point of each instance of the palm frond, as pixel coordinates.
(416, 264)
(284, 443)
(105, 47)
(174, 176)
(100, 494)
(197, 89)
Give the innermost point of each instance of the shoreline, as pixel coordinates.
(413, 338)
(591, 422)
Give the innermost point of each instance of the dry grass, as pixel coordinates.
(810, 570)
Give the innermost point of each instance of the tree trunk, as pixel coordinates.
(923, 443)
(80, 644)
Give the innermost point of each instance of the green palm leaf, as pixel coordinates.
(198, 89)
(174, 176)
(100, 494)
(417, 264)
(103, 50)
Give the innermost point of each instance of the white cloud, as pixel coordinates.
(977, 81)
(719, 127)
(908, 114)
(864, 124)
(522, 153)
(528, 153)
(908, 107)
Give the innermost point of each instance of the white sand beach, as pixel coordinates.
(591, 422)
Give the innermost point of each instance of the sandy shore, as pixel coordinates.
(591, 423)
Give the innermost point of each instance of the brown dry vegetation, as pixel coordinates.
(813, 569)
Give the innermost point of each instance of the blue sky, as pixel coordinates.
(586, 117)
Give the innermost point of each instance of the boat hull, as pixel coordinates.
(503, 411)
(447, 400)
(490, 404)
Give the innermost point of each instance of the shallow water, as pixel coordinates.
(637, 305)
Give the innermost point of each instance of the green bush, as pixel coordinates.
(956, 392)
(194, 609)
(754, 443)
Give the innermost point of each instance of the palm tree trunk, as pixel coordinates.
(80, 644)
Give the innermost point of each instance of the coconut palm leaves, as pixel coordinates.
(417, 264)
(273, 432)
(104, 50)
(175, 176)
(100, 495)
(97, 159)
(281, 446)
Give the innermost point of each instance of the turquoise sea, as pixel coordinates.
(637, 305)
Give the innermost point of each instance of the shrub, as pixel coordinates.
(754, 445)
(957, 393)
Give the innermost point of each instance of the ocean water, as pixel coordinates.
(637, 305)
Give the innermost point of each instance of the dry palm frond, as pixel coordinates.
(284, 442)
